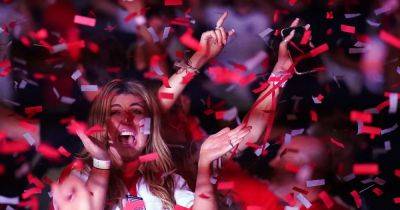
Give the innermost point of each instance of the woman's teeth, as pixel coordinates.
(126, 133)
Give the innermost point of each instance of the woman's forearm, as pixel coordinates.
(176, 81)
(97, 185)
(205, 196)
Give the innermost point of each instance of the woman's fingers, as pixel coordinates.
(219, 37)
(221, 20)
(224, 35)
(223, 131)
(295, 22)
(307, 27)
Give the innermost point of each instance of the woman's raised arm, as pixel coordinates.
(211, 44)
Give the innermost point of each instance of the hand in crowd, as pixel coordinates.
(284, 62)
(71, 194)
(222, 142)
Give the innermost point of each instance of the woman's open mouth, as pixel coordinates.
(127, 138)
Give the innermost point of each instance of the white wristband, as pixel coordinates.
(101, 164)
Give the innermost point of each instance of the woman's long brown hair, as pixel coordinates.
(160, 186)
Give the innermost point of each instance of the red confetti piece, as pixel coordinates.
(188, 40)
(48, 152)
(348, 29)
(75, 165)
(389, 38)
(292, 2)
(64, 152)
(188, 77)
(30, 192)
(33, 110)
(164, 95)
(165, 81)
(314, 116)
(15, 146)
(328, 202)
(356, 198)
(35, 181)
(2, 169)
(28, 126)
(366, 169)
(130, 16)
(93, 47)
(372, 131)
(306, 37)
(396, 200)
(378, 192)
(363, 117)
(337, 143)
(225, 185)
(115, 69)
(319, 50)
(173, 2)
(254, 208)
(94, 129)
(397, 172)
(32, 203)
(148, 158)
(75, 126)
(291, 168)
(82, 20)
(178, 207)
(262, 87)
(329, 15)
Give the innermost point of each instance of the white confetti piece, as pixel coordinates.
(351, 15)
(29, 138)
(153, 34)
(314, 183)
(166, 33)
(265, 32)
(58, 48)
(373, 23)
(20, 61)
(387, 146)
(398, 69)
(76, 75)
(359, 44)
(9, 208)
(230, 114)
(140, 20)
(379, 181)
(382, 10)
(55, 91)
(357, 50)
(146, 126)
(67, 100)
(393, 99)
(292, 208)
(297, 132)
(13, 103)
(89, 88)
(255, 61)
(288, 138)
(8, 200)
(349, 177)
(213, 180)
(389, 130)
(303, 200)
(367, 181)
(316, 100)
(22, 84)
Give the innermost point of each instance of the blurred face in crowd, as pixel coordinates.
(127, 116)
(299, 152)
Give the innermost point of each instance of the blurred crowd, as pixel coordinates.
(341, 117)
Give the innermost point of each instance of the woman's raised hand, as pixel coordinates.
(220, 143)
(71, 194)
(212, 42)
(93, 149)
(284, 62)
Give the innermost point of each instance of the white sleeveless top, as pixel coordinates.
(183, 195)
